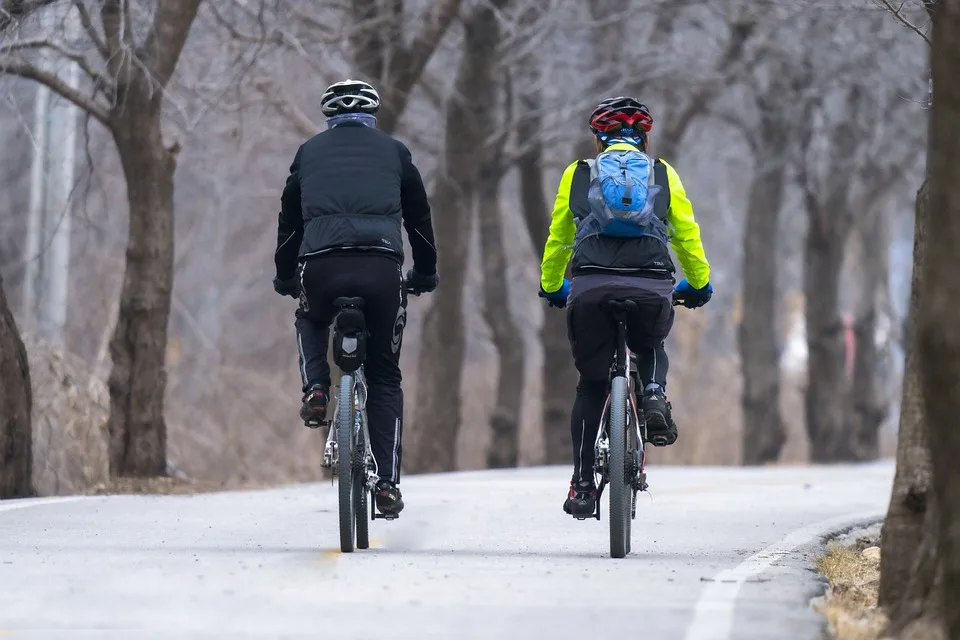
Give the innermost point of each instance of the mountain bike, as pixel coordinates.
(347, 451)
(620, 457)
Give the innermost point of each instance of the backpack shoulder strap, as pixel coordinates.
(579, 188)
(661, 206)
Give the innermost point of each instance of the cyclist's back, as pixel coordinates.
(349, 191)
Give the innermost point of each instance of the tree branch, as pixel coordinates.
(171, 26)
(898, 14)
(13, 10)
(87, 21)
(98, 79)
(27, 70)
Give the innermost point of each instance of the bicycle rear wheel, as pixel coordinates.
(621, 489)
(346, 445)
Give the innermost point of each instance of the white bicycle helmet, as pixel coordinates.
(349, 96)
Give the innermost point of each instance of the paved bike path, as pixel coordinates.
(717, 553)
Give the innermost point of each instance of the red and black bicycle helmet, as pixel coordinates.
(621, 114)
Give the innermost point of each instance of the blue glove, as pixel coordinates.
(692, 298)
(559, 297)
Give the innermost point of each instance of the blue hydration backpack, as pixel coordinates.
(621, 197)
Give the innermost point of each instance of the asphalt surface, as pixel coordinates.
(717, 554)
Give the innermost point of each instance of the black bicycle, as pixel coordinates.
(620, 457)
(347, 451)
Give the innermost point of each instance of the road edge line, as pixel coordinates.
(713, 613)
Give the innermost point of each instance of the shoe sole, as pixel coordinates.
(313, 416)
(579, 516)
(657, 422)
(392, 511)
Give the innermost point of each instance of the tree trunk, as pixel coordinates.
(910, 499)
(138, 442)
(16, 433)
(939, 318)
(437, 411)
(558, 372)
(868, 402)
(763, 430)
(505, 418)
(826, 379)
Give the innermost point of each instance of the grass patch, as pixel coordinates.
(850, 603)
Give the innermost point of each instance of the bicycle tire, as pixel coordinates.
(361, 495)
(620, 488)
(345, 466)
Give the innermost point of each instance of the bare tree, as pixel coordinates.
(504, 446)
(778, 90)
(16, 433)
(938, 321)
(437, 412)
(909, 580)
(384, 54)
(911, 499)
(558, 373)
(128, 83)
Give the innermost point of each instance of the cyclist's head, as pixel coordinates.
(349, 96)
(621, 119)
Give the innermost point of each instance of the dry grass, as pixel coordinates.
(850, 603)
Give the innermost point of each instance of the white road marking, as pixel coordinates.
(713, 614)
(36, 502)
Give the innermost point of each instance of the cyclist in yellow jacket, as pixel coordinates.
(611, 265)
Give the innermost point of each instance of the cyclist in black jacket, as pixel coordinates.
(350, 188)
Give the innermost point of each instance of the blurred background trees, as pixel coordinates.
(798, 131)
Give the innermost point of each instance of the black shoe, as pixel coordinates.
(313, 411)
(389, 499)
(581, 502)
(661, 429)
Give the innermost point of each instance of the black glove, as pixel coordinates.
(289, 287)
(418, 283)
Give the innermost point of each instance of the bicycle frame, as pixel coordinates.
(330, 453)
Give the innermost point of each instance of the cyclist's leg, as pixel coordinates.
(646, 334)
(313, 329)
(592, 333)
(386, 316)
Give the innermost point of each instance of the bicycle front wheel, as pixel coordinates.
(346, 445)
(621, 490)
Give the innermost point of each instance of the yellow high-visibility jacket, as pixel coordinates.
(681, 225)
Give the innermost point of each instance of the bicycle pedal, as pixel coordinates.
(314, 423)
(660, 441)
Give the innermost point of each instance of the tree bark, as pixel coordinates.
(437, 411)
(910, 499)
(868, 402)
(939, 319)
(558, 373)
(16, 433)
(763, 430)
(505, 419)
(138, 378)
(827, 384)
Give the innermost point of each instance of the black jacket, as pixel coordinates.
(349, 189)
